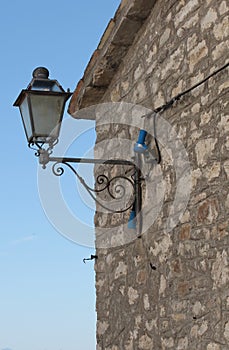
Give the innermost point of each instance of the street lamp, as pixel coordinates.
(42, 107)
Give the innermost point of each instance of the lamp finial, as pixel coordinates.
(41, 72)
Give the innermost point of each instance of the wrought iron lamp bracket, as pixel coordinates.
(115, 187)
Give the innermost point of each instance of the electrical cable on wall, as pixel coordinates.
(169, 104)
(178, 97)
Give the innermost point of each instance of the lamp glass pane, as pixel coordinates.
(24, 109)
(47, 114)
(45, 85)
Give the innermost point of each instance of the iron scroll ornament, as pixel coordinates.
(115, 187)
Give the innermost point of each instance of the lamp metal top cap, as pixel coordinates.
(41, 72)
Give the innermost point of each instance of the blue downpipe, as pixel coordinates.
(132, 220)
(140, 146)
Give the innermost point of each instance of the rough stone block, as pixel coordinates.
(197, 54)
(204, 149)
(132, 295)
(208, 19)
(145, 342)
(223, 8)
(221, 30)
(220, 50)
(185, 11)
(208, 211)
(220, 270)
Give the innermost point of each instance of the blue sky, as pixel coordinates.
(47, 294)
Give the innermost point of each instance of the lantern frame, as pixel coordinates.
(43, 102)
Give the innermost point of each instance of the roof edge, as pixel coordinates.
(106, 59)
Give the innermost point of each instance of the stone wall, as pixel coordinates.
(169, 289)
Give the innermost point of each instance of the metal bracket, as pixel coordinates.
(117, 188)
(151, 156)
